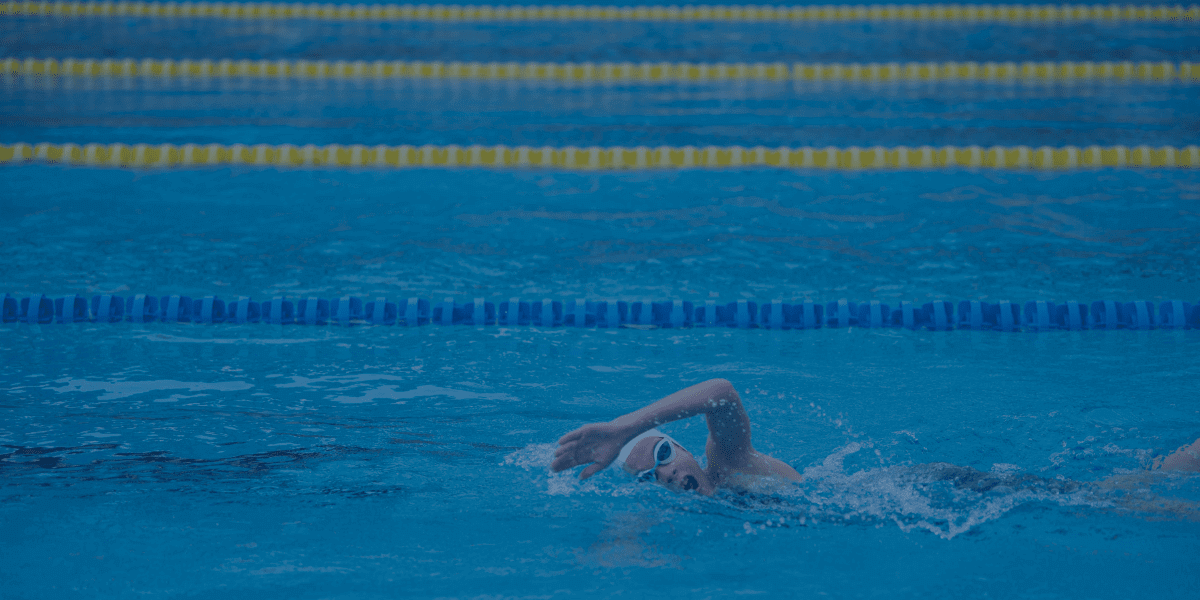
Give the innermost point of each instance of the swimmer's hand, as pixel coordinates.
(598, 444)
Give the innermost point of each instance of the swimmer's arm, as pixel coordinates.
(728, 423)
(600, 443)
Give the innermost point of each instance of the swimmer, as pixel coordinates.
(651, 455)
(733, 463)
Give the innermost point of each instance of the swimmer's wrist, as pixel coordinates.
(625, 430)
(630, 426)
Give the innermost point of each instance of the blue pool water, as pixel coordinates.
(511, 113)
(234, 461)
(1116, 234)
(171, 460)
(588, 41)
(384, 462)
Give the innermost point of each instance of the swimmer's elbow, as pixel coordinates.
(720, 387)
(714, 396)
(720, 392)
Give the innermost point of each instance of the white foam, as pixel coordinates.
(533, 456)
(897, 494)
(536, 458)
(901, 495)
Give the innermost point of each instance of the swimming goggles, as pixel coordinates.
(664, 453)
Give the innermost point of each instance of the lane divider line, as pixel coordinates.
(1121, 71)
(939, 315)
(923, 13)
(166, 156)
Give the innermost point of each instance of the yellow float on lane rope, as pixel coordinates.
(931, 13)
(1045, 72)
(167, 156)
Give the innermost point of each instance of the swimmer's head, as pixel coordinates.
(654, 456)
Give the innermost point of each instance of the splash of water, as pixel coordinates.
(944, 500)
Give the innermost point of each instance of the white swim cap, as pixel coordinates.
(623, 457)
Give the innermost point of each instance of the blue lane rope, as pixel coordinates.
(941, 315)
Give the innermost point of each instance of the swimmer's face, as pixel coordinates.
(682, 474)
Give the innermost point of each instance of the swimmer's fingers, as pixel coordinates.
(572, 436)
(565, 447)
(564, 459)
(570, 455)
(596, 443)
(574, 454)
(591, 470)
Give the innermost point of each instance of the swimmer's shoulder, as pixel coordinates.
(760, 474)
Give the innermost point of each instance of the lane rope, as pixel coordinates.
(1045, 72)
(923, 13)
(167, 156)
(601, 159)
(1037, 315)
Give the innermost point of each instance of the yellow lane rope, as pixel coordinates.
(601, 158)
(870, 72)
(980, 13)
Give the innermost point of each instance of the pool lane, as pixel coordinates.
(1089, 235)
(750, 113)
(25, 36)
